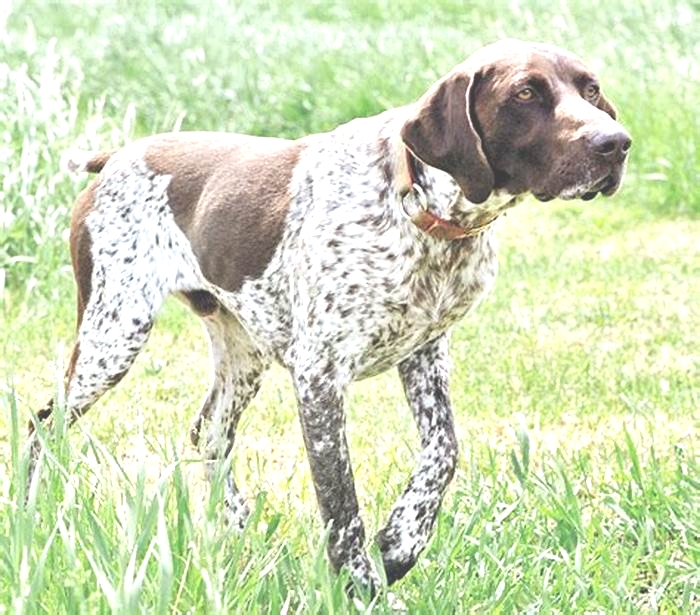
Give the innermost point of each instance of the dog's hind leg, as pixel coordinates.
(237, 370)
(424, 377)
(114, 328)
(128, 255)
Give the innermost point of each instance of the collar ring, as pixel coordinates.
(419, 197)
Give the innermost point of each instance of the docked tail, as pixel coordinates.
(80, 161)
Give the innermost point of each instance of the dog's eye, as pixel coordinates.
(527, 94)
(591, 91)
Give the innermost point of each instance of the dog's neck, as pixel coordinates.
(433, 201)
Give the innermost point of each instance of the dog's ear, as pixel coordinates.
(605, 105)
(441, 132)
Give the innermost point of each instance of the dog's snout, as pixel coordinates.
(611, 143)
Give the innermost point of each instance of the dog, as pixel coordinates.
(338, 255)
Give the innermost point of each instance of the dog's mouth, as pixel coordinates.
(606, 186)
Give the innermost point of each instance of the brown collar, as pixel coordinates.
(431, 224)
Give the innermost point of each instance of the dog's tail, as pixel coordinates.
(80, 161)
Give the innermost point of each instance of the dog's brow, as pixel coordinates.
(582, 78)
(530, 76)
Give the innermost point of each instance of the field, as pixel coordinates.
(575, 384)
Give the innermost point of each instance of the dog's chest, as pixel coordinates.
(368, 304)
(436, 288)
(371, 303)
(366, 296)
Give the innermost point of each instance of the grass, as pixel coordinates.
(575, 384)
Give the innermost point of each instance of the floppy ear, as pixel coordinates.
(441, 133)
(605, 105)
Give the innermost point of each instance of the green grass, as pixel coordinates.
(575, 384)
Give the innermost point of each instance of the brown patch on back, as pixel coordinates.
(229, 195)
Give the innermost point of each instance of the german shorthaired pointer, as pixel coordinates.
(339, 255)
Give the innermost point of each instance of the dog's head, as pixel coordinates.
(521, 117)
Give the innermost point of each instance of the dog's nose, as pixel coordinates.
(610, 144)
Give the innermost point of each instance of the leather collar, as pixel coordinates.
(408, 185)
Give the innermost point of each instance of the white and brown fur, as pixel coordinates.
(305, 253)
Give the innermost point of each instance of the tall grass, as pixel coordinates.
(95, 537)
(575, 385)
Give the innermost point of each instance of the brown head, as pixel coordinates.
(521, 117)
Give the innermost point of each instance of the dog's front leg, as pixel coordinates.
(320, 398)
(425, 379)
